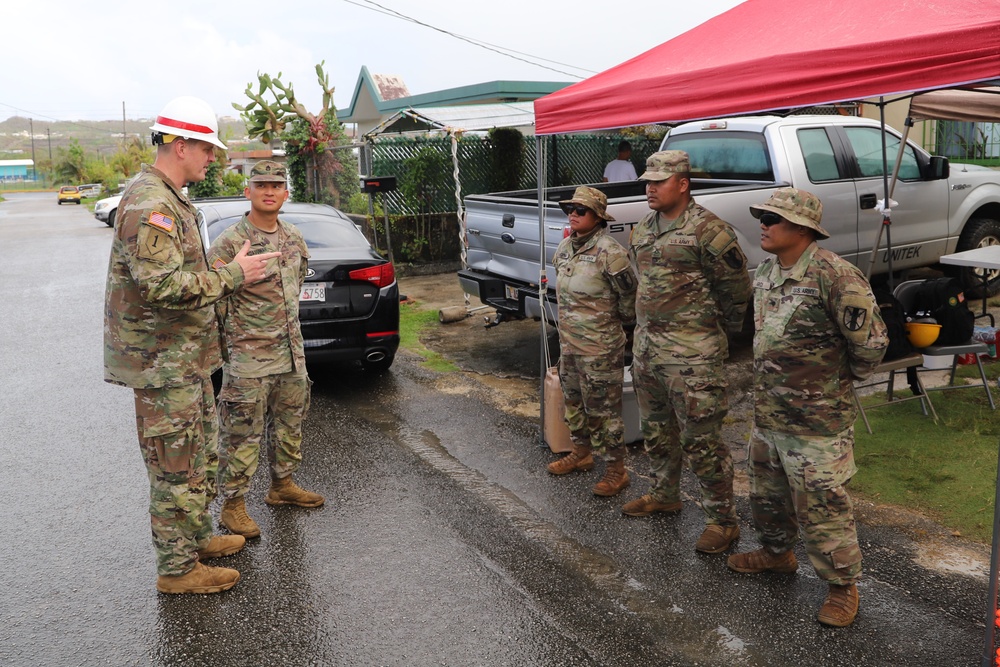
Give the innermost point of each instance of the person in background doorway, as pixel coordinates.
(595, 286)
(621, 168)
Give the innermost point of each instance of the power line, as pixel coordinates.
(34, 114)
(504, 51)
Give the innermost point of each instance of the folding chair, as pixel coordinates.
(892, 367)
(906, 293)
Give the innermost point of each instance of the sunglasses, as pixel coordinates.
(769, 219)
(579, 209)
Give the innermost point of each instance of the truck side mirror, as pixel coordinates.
(939, 168)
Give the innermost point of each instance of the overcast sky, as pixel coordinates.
(81, 61)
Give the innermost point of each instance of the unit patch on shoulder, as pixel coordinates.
(164, 222)
(854, 318)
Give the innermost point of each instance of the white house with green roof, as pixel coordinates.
(377, 97)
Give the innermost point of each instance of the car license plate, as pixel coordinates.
(511, 292)
(313, 293)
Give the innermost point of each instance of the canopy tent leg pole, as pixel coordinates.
(991, 598)
(886, 212)
(542, 283)
(892, 187)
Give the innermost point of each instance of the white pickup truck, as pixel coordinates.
(942, 208)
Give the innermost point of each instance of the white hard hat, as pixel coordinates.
(189, 117)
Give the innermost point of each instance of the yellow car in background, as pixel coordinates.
(68, 193)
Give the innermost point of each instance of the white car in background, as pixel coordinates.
(91, 190)
(106, 209)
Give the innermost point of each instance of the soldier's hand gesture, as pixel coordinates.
(254, 266)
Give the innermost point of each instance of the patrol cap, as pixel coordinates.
(592, 198)
(268, 171)
(796, 206)
(664, 164)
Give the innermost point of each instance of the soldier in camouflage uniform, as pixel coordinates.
(265, 375)
(595, 286)
(817, 329)
(693, 289)
(161, 338)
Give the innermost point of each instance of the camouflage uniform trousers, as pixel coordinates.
(178, 437)
(682, 408)
(247, 407)
(592, 389)
(797, 483)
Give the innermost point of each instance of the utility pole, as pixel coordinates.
(123, 125)
(48, 132)
(34, 169)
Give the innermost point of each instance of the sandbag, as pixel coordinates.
(556, 433)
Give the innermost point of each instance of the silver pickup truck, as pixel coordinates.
(941, 207)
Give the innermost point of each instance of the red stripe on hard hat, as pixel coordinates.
(181, 125)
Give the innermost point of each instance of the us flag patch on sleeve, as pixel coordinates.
(164, 222)
(218, 264)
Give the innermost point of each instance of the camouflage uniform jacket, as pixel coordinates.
(160, 329)
(693, 287)
(817, 329)
(595, 286)
(261, 322)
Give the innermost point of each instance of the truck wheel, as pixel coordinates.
(979, 233)
(111, 218)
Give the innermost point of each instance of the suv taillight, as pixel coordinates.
(382, 275)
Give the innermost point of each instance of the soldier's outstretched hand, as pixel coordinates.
(254, 266)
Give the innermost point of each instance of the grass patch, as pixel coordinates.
(946, 470)
(413, 322)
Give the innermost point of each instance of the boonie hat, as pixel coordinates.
(268, 171)
(796, 206)
(664, 164)
(593, 199)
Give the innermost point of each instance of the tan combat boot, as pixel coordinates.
(235, 518)
(222, 545)
(286, 492)
(840, 607)
(201, 579)
(762, 560)
(581, 458)
(647, 505)
(615, 479)
(715, 538)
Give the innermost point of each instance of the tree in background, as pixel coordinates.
(69, 165)
(129, 158)
(318, 172)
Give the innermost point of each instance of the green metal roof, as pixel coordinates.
(480, 93)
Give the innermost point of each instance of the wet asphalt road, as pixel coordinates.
(443, 541)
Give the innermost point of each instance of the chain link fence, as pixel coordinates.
(572, 160)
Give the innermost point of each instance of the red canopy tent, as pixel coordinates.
(771, 55)
(774, 54)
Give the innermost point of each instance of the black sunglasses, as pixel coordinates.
(579, 209)
(768, 219)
